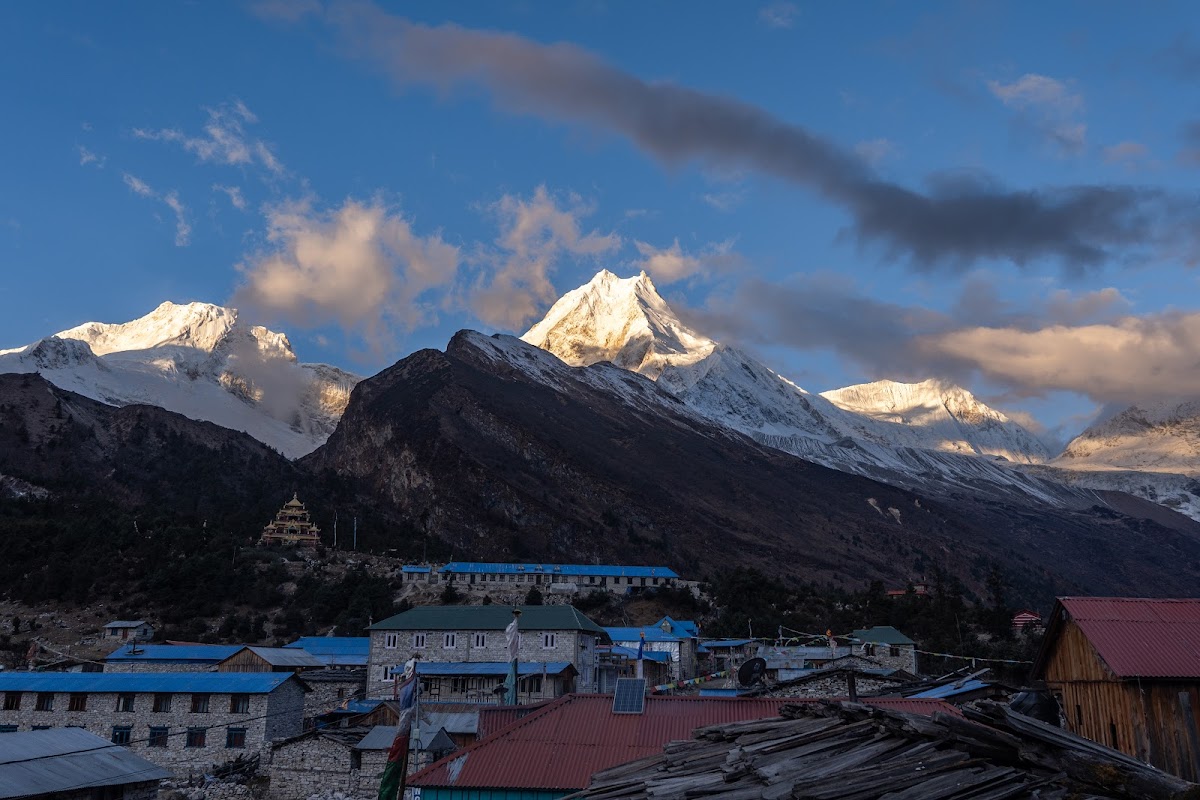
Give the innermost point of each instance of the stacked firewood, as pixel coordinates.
(847, 751)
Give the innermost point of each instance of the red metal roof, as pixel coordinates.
(1140, 637)
(560, 746)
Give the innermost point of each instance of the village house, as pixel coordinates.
(269, 659)
(677, 638)
(72, 764)
(460, 643)
(488, 578)
(719, 654)
(853, 681)
(128, 631)
(1026, 619)
(168, 657)
(1126, 674)
(888, 646)
(185, 722)
(615, 662)
(336, 652)
(331, 690)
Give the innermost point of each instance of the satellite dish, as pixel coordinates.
(752, 671)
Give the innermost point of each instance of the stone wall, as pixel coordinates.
(317, 764)
(329, 691)
(575, 647)
(831, 686)
(891, 656)
(285, 705)
(158, 666)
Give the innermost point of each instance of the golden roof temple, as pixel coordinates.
(291, 526)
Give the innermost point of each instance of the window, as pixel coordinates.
(894, 652)
(195, 737)
(450, 640)
(419, 640)
(549, 640)
(341, 693)
(390, 640)
(45, 701)
(12, 701)
(125, 702)
(121, 734)
(1078, 718)
(1112, 735)
(868, 650)
(8, 728)
(77, 702)
(458, 685)
(355, 759)
(235, 737)
(480, 640)
(534, 685)
(239, 704)
(158, 737)
(200, 704)
(162, 703)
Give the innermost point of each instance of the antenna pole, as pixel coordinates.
(335, 529)
(355, 531)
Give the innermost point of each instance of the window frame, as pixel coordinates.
(44, 702)
(196, 738)
(391, 641)
(480, 641)
(77, 701)
(162, 703)
(124, 707)
(418, 641)
(159, 736)
(450, 640)
(549, 640)
(239, 703)
(200, 702)
(231, 738)
(12, 701)
(122, 734)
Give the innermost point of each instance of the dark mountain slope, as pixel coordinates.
(505, 452)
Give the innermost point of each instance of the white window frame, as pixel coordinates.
(390, 641)
(480, 640)
(418, 641)
(450, 640)
(549, 640)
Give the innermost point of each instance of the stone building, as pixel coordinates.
(128, 631)
(321, 761)
(838, 681)
(72, 764)
(185, 722)
(330, 689)
(292, 526)
(471, 635)
(888, 646)
(168, 657)
(497, 578)
(678, 638)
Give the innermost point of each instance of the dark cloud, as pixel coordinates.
(951, 223)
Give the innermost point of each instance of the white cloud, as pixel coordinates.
(873, 151)
(671, 264)
(88, 157)
(779, 14)
(360, 266)
(224, 139)
(183, 229)
(1049, 106)
(535, 234)
(724, 201)
(234, 193)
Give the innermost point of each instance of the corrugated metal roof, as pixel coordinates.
(1137, 637)
(559, 746)
(653, 634)
(882, 634)
(951, 690)
(331, 645)
(489, 667)
(125, 623)
(658, 656)
(285, 656)
(726, 643)
(67, 759)
(205, 682)
(378, 738)
(488, 618)
(415, 568)
(606, 570)
(177, 653)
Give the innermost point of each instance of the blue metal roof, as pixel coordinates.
(951, 689)
(647, 655)
(204, 682)
(653, 634)
(711, 643)
(415, 568)
(353, 707)
(340, 651)
(680, 627)
(498, 668)
(173, 653)
(609, 571)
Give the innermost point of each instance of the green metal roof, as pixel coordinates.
(882, 634)
(489, 618)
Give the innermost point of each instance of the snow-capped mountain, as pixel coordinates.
(198, 360)
(1162, 437)
(899, 433)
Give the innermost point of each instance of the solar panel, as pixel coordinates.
(630, 696)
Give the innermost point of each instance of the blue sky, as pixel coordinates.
(1000, 194)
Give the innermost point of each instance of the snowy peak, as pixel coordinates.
(622, 320)
(1158, 437)
(201, 326)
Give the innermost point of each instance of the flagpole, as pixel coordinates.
(513, 640)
